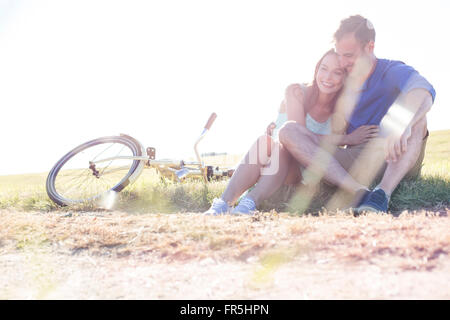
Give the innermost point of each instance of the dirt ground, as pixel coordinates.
(116, 255)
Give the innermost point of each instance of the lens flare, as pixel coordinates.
(109, 200)
(395, 121)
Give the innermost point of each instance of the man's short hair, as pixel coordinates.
(360, 26)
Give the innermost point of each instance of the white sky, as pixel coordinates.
(71, 71)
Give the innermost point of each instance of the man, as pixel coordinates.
(375, 89)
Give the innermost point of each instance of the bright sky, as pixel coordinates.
(71, 71)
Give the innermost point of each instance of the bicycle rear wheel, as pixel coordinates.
(78, 178)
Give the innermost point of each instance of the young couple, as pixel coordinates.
(373, 111)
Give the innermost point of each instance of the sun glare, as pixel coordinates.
(79, 70)
(395, 121)
(108, 200)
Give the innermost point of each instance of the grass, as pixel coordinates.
(432, 189)
(151, 193)
(50, 240)
(416, 239)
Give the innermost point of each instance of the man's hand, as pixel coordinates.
(418, 102)
(361, 135)
(396, 146)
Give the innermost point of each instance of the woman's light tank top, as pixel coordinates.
(323, 128)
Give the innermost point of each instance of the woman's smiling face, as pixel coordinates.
(330, 76)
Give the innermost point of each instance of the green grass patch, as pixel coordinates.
(152, 193)
(163, 195)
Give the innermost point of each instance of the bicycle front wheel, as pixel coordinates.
(81, 177)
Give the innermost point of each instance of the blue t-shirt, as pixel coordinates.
(378, 93)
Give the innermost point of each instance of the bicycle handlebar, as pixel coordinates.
(211, 119)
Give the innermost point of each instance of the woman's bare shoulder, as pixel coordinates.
(305, 86)
(282, 108)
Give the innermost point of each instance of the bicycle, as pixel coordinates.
(94, 169)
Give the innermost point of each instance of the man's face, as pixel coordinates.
(349, 50)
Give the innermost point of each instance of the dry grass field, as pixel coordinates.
(147, 248)
(115, 255)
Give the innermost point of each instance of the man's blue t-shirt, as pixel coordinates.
(389, 79)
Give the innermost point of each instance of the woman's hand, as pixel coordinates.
(270, 128)
(361, 135)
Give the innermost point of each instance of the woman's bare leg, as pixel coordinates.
(270, 183)
(294, 175)
(247, 173)
(306, 150)
(251, 172)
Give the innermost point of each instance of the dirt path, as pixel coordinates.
(114, 255)
(85, 277)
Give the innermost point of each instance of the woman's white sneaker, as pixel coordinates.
(218, 207)
(245, 206)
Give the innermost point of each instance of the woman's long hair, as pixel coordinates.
(312, 90)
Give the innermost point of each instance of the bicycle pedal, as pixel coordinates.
(209, 172)
(151, 152)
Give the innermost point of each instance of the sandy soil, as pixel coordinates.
(114, 255)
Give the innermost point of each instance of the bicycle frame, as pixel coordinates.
(178, 168)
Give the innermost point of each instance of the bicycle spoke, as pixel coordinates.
(115, 169)
(79, 184)
(73, 187)
(86, 171)
(101, 152)
(111, 160)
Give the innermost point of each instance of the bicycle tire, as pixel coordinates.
(63, 200)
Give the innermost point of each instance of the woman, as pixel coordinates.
(311, 106)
